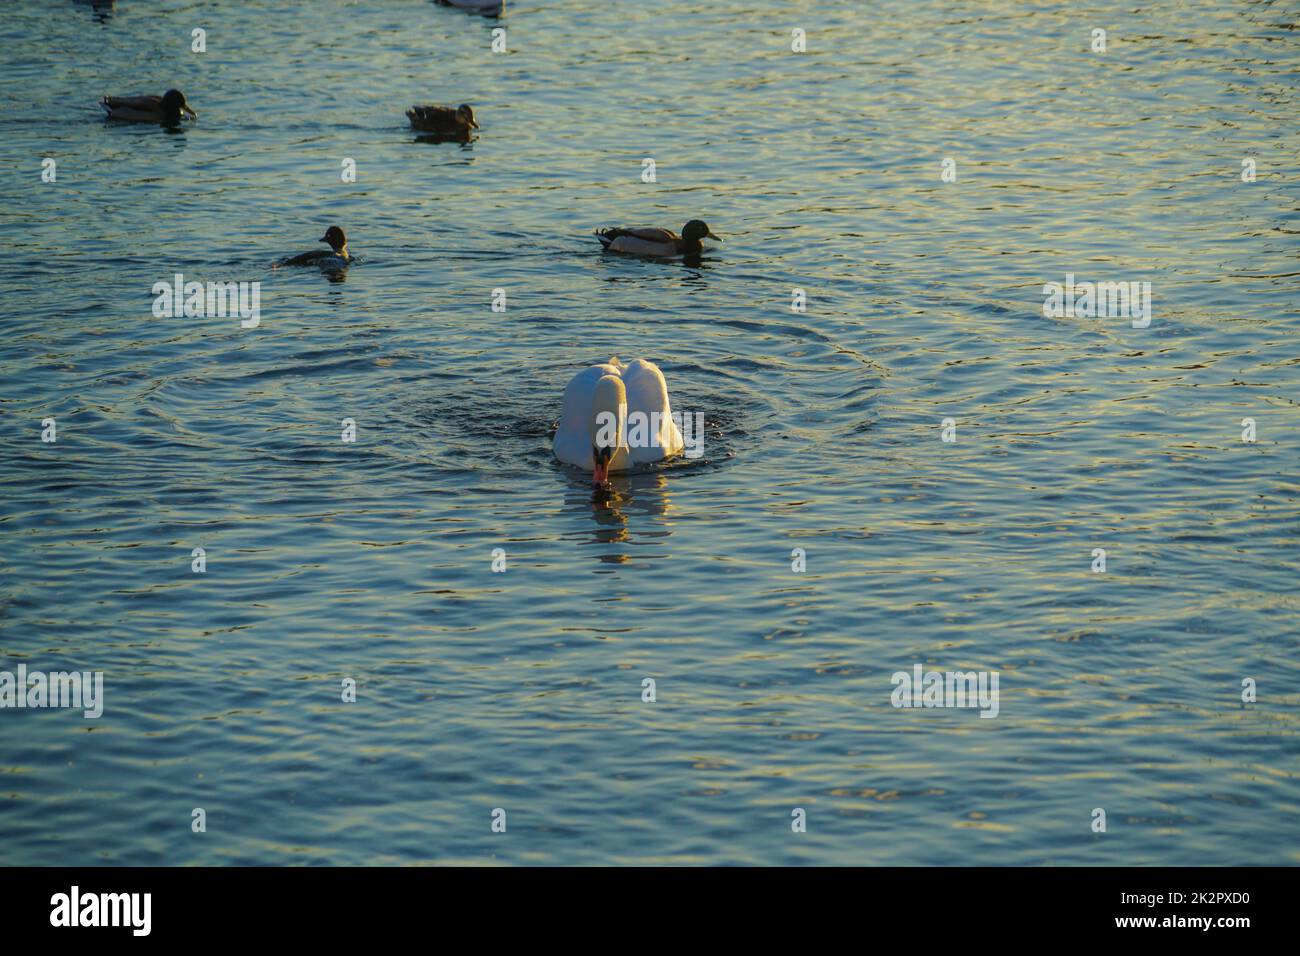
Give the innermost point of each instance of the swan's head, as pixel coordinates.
(608, 417)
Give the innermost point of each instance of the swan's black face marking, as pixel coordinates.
(600, 473)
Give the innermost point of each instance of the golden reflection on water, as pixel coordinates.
(613, 511)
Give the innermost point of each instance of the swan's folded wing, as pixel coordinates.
(572, 443)
(647, 392)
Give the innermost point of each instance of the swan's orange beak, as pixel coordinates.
(600, 458)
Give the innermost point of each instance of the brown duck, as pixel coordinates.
(457, 120)
(657, 242)
(337, 257)
(167, 109)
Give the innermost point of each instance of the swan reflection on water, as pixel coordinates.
(627, 511)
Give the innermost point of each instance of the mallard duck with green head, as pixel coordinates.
(660, 243)
(166, 110)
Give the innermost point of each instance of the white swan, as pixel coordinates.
(616, 416)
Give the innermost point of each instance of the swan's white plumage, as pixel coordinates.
(646, 392)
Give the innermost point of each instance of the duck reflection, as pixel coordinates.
(466, 141)
(485, 8)
(101, 10)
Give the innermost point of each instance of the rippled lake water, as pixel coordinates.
(522, 690)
